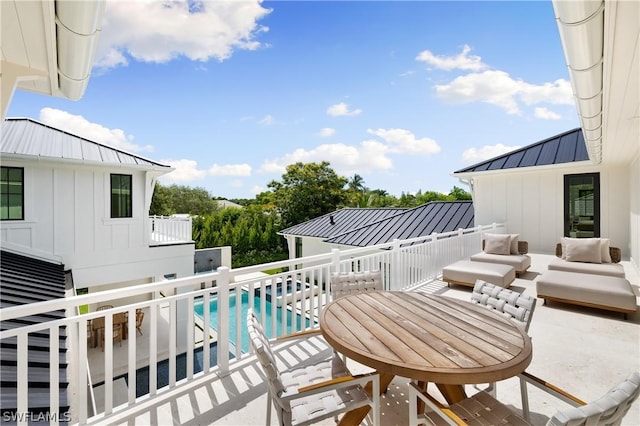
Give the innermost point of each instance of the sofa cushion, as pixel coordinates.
(611, 269)
(466, 272)
(612, 292)
(583, 250)
(521, 262)
(604, 246)
(514, 243)
(497, 243)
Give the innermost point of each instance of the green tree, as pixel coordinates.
(161, 202)
(459, 194)
(307, 191)
(168, 200)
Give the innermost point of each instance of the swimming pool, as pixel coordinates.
(213, 322)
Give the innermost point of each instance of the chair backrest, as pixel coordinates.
(508, 302)
(260, 345)
(139, 318)
(343, 284)
(614, 252)
(608, 410)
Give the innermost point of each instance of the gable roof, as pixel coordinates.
(27, 137)
(340, 221)
(436, 216)
(566, 147)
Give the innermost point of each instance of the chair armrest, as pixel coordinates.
(443, 411)
(552, 389)
(335, 383)
(299, 334)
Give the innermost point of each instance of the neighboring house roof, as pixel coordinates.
(566, 147)
(28, 137)
(340, 221)
(223, 204)
(436, 216)
(27, 280)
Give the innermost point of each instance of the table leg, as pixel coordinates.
(452, 393)
(356, 416)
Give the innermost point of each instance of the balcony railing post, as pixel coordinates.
(335, 260)
(396, 269)
(223, 320)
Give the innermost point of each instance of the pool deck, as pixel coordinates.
(584, 351)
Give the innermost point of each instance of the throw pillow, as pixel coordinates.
(497, 243)
(514, 243)
(606, 255)
(583, 250)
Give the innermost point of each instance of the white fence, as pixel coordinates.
(173, 329)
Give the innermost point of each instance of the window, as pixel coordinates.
(582, 205)
(12, 193)
(121, 196)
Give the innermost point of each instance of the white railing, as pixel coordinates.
(174, 329)
(170, 229)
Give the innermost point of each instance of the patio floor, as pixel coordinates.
(583, 350)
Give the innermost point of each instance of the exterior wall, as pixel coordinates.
(67, 216)
(532, 203)
(312, 246)
(634, 210)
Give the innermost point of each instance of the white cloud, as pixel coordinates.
(327, 132)
(369, 156)
(185, 171)
(159, 31)
(342, 109)
(461, 61)
(500, 89)
(267, 120)
(546, 114)
(475, 155)
(230, 170)
(80, 126)
(257, 189)
(403, 141)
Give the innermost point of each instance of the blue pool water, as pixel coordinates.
(280, 324)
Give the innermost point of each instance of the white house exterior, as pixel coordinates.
(68, 209)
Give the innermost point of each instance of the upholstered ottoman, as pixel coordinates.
(596, 291)
(466, 272)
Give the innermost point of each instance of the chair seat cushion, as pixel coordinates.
(612, 269)
(521, 262)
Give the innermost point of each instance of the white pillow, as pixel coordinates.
(605, 254)
(583, 250)
(514, 243)
(497, 243)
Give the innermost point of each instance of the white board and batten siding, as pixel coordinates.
(531, 202)
(67, 217)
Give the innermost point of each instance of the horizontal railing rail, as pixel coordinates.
(202, 317)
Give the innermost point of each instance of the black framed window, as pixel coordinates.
(582, 205)
(121, 196)
(11, 193)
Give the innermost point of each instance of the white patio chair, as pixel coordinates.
(343, 284)
(311, 393)
(483, 409)
(511, 304)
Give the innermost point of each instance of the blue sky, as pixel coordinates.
(401, 93)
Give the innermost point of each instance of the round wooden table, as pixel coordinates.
(427, 338)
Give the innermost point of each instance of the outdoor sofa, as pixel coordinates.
(587, 272)
(494, 251)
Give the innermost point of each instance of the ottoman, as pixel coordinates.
(466, 272)
(596, 291)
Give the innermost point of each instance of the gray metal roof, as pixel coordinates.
(566, 147)
(25, 136)
(340, 221)
(437, 216)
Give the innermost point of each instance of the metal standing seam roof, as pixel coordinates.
(25, 136)
(566, 147)
(340, 221)
(437, 216)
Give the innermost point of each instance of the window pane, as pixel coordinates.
(121, 196)
(12, 193)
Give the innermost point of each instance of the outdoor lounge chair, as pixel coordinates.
(311, 393)
(483, 409)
